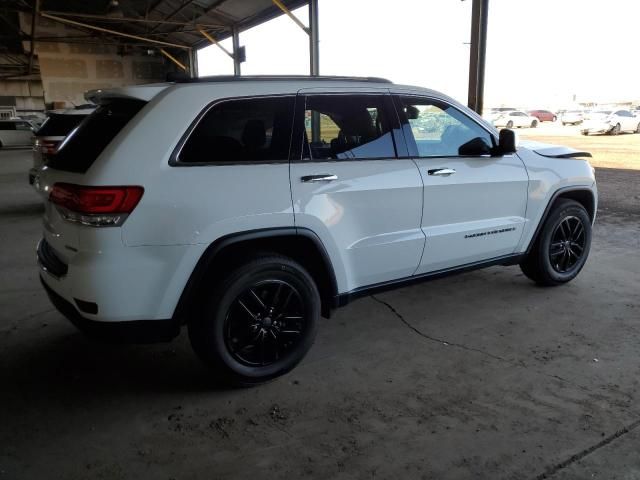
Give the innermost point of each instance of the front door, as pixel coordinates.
(349, 187)
(474, 203)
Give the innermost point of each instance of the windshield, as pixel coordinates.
(87, 141)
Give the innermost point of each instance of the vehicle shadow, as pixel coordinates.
(69, 365)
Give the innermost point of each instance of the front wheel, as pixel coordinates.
(554, 118)
(534, 124)
(615, 130)
(562, 246)
(510, 124)
(259, 322)
(638, 128)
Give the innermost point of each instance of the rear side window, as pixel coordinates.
(243, 130)
(7, 125)
(59, 125)
(87, 141)
(346, 127)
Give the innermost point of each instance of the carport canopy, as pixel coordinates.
(177, 28)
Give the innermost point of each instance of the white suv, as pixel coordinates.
(245, 208)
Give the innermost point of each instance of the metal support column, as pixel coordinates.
(235, 38)
(193, 63)
(314, 62)
(314, 42)
(477, 56)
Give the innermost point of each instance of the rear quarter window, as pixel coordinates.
(86, 142)
(241, 130)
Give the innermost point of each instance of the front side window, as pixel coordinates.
(251, 129)
(344, 127)
(442, 130)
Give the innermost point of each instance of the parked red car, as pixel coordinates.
(543, 115)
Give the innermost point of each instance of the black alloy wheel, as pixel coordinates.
(257, 320)
(265, 323)
(562, 247)
(567, 245)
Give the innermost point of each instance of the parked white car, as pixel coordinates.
(515, 119)
(16, 133)
(266, 202)
(611, 122)
(572, 117)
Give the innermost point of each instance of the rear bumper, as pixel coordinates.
(138, 331)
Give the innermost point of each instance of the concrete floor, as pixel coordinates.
(482, 375)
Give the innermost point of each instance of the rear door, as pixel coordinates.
(349, 187)
(474, 203)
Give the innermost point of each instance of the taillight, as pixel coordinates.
(48, 147)
(95, 206)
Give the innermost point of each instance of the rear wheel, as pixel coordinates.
(534, 124)
(510, 124)
(615, 130)
(562, 246)
(259, 322)
(638, 128)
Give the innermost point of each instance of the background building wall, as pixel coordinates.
(69, 69)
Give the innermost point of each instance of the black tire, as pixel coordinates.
(552, 261)
(564, 124)
(638, 128)
(252, 305)
(554, 118)
(585, 133)
(615, 130)
(509, 124)
(534, 124)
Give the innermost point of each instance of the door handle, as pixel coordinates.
(325, 177)
(442, 172)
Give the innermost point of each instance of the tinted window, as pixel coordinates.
(441, 130)
(59, 125)
(23, 126)
(257, 129)
(7, 126)
(347, 127)
(87, 141)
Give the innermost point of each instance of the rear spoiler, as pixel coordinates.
(134, 92)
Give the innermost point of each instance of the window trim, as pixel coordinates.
(404, 122)
(174, 159)
(298, 129)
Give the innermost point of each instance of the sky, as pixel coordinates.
(540, 53)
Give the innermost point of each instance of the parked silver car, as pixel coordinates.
(16, 133)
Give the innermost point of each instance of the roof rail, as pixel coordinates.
(245, 78)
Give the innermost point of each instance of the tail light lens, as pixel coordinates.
(49, 147)
(95, 206)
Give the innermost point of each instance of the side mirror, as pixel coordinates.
(474, 148)
(507, 141)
